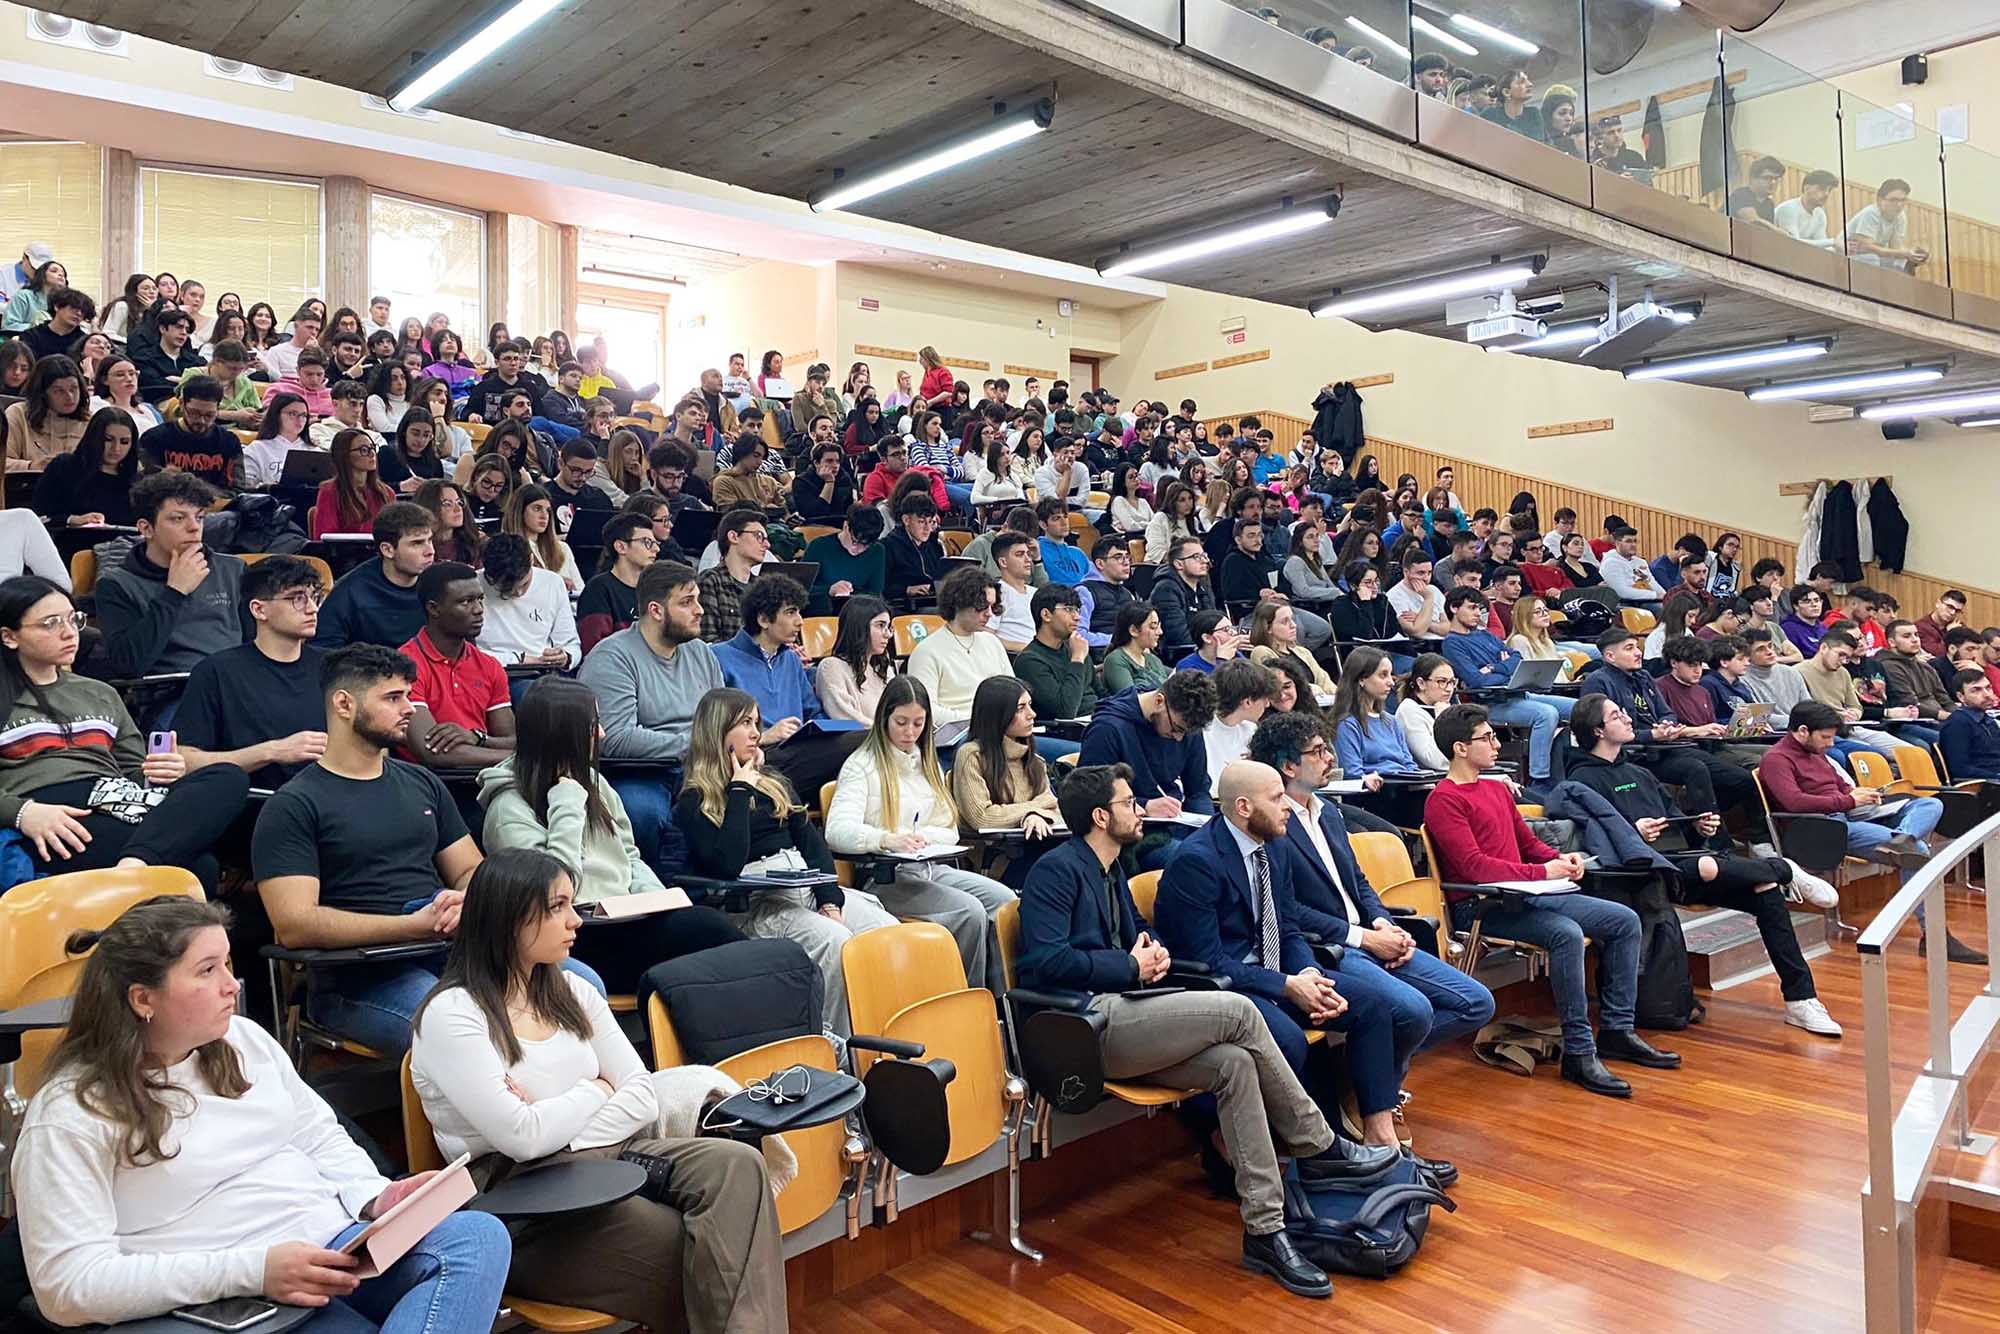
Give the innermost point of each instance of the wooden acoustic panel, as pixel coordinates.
(1173, 372)
(1570, 428)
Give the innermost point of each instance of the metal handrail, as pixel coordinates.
(1934, 1110)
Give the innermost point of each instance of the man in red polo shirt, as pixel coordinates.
(464, 717)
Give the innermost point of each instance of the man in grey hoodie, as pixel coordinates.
(173, 602)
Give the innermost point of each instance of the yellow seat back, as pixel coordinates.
(817, 635)
(913, 629)
(1007, 934)
(1385, 860)
(893, 967)
(843, 869)
(1145, 888)
(1919, 770)
(1871, 770)
(955, 540)
(36, 920)
(1637, 620)
(82, 573)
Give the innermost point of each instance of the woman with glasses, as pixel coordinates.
(75, 778)
(456, 537)
(522, 1065)
(1427, 693)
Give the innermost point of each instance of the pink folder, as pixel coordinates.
(388, 1238)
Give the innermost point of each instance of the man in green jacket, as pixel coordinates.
(1056, 667)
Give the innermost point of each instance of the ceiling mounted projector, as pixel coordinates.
(1633, 331)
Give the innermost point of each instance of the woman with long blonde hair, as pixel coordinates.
(739, 816)
(531, 514)
(1531, 634)
(892, 796)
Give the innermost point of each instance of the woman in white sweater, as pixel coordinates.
(174, 1157)
(1430, 687)
(517, 1064)
(1177, 516)
(892, 799)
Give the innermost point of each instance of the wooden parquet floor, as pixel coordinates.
(1722, 1197)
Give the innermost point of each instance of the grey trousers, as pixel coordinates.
(1216, 1041)
(963, 903)
(790, 914)
(708, 1261)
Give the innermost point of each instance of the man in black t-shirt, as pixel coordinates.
(258, 706)
(610, 600)
(360, 849)
(196, 443)
(570, 488)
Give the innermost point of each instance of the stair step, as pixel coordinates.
(1724, 949)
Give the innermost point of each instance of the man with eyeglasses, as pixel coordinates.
(258, 706)
(1481, 839)
(1105, 593)
(610, 601)
(914, 557)
(1182, 590)
(744, 540)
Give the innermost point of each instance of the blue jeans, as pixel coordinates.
(1917, 820)
(1559, 923)
(961, 496)
(1539, 714)
(649, 799)
(555, 431)
(1053, 748)
(1917, 734)
(1430, 1002)
(448, 1283)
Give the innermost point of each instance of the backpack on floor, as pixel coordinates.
(1369, 1225)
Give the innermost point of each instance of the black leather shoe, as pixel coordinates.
(1591, 1074)
(1278, 1256)
(1221, 1176)
(1955, 950)
(1346, 1161)
(1439, 1170)
(1625, 1045)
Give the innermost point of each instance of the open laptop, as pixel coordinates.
(586, 526)
(1535, 673)
(306, 467)
(805, 571)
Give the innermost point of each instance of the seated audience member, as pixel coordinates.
(744, 540)
(1687, 658)
(172, 602)
(1481, 838)
(825, 494)
(608, 602)
(1417, 602)
(308, 384)
(1820, 579)
(744, 482)
(1798, 778)
(549, 796)
(1130, 660)
(1106, 589)
(1879, 233)
(393, 466)
(1020, 519)
(527, 614)
(487, 399)
(1243, 691)
(1624, 572)
(1709, 782)
(531, 514)
(1158, 734)
(1828, 680)
(1970, 739)
(1482, 662)
(75, 771)
(115, 384)
(1725, 681)
(1064, 477)
(1803, 217)
(376, 601)
(1276, 630)
(1362, 612)
(196, 443)
(1215, 1041)
(351, 499)
(850, 680)
(1912, 682)
(762, 662)
(49, 419)
(361, 849)
(1056, 667)
(27, 548)
(1247, 574)
(892, 797)
(1216, 641)
(1367, 737)
(518, 1063)
(738, 816)
(94, 484)
(1013, 555)
(1182, 590)
(951, 662)
(881, 480)
(1703, 868)
(221, 1175)
(648, 679)
(1803, 624)
(1932, 629)
(1428, 1001)
(1962, 653)
(258, 706)
(164, 362)
(281, 430)
(417, 454)
(914, 557)
(63, 332)
(463, 715)
(999, 782)
(1428, 691)
(852, 560)
(1064, 564)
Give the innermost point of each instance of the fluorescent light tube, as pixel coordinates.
(1563, 335)
(1933, 407)
(1287, 221)
(435, 78)
(1840, 385)
(1498, 36)
(1418, 23)
(1741, 359)
(1977, 421)
(1004, 132)
(1394, 296)
(1380, 38)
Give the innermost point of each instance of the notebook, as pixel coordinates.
(389, 1238)
(639, 905)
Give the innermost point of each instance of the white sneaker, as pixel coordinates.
(1762, 850)
(1812, 1017)
(1809, 888)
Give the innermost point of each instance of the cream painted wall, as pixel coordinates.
(752, 309)
(1702, 451)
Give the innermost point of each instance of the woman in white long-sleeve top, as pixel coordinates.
(174, 1157)
(892, 798)
(850, 680)
(517, 1065)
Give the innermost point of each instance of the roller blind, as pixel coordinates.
(54, 192)
(251, 235)
(425, 258)
(534, 256)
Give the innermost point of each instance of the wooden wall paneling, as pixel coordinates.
(1372, 381)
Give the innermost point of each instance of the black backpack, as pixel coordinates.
(1588, 618)
(1369, 1225)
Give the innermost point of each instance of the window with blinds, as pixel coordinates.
(426, 258)
(534, 278)
(256, 236)
(54, 192)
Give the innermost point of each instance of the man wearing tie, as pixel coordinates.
(1226, 901)
(1081, 932)
(1428, 1001)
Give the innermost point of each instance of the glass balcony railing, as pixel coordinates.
(1893, 181)
(1784, 195)
(1972, 232)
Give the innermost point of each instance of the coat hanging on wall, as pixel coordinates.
(1892, 530)
(1839, 541)
(1809, 533)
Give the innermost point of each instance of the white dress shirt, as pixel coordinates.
(1316, 836)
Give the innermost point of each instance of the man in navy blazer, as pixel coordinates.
(1208, 910)
(1427, 1000)
(1081, 932)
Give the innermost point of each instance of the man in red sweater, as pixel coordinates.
(1481, 839)
(1799, 778)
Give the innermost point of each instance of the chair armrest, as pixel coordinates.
(908, 1051)
(1194, 976)
(1329, 955)
(357, 954)
(1074, 1001)
(1424, 930)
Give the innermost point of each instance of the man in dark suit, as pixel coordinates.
(1428, 1001)
(1081, 932)
(1226, 901)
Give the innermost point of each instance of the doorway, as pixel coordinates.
(1082, 374)
(633, 324)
